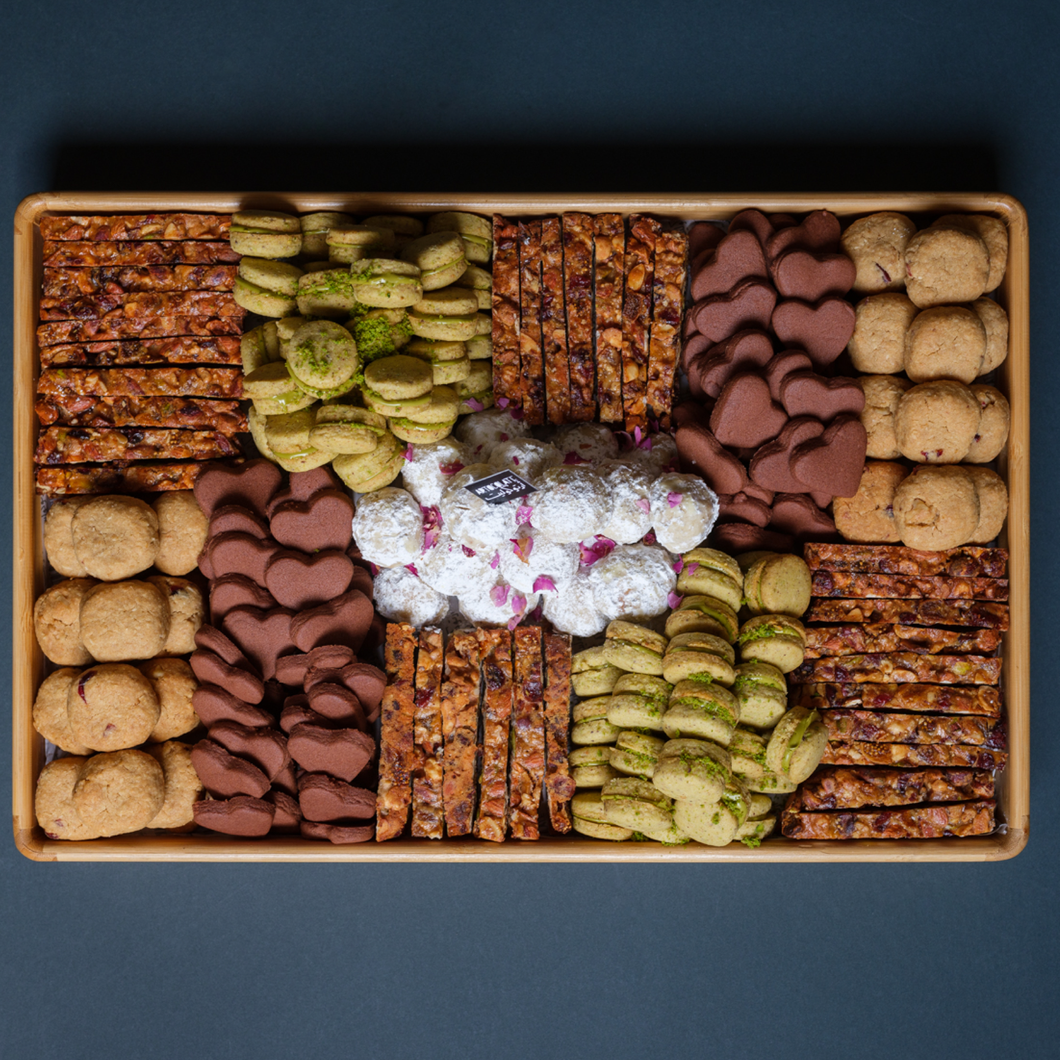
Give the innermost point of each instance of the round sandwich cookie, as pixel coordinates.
(634, 648)
(591, 766)
(634, 803)
(315, 228)
(447, 301)
(587, 709)
(639, 701)
(365, 472)
(322, 358)
(326, 293)
(350, 243)
(418, 433)
(259, 346)
(778, 583)
(440, 257)
(399, 378)
(597, 730)
(589, 818)
(441, 409)
(265, 234)
(636, 754)
(797, 745)
(592, 674)
(383, 407)
(770, 783)
(706, 571)
(699, 655)
(703, 614)
(273, 391)
(717, 824)
(762, 693)
(404, 227)
(480, 282)
(476, 232)
(267, 287)
(441, 326)
(755, 829)
(449, 361)
(776, 639)
(386, 282)
(701, 710)
(748, 753)
(695, 770)
(346, 429)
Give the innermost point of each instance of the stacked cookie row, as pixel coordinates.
(431, 750)
(139, 349)
(905, 676)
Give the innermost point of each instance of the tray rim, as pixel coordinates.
(27, 581)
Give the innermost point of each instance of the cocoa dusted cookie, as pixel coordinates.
(994, 419)
(937, 507)
(946, 342)
(882, 395)
(876, 244)
(868, 516)
(992, 492)
(993, 233)
(936, 422)
(944, 265)
(880, 325)
(995, 321)
(57, 622)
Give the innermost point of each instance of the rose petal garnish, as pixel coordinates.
(644, 505)
(518, 602)
(600, 547)
(411, 568)
(646, 444)
(408, 454)
(474, 404)
(692, 568)
(516, 413)
(504, 436)
(496, 559)
(515, 460)
(573, 458)
(674, 499)
(522, 547)
(374, 569)
(650, 538)
(636, 435)
(503, 402)
(499, 595)
(542, 582)
(674, 600)
(523, 514)
(451, 469)
(469, 552)
(679, 565)
(654, 424)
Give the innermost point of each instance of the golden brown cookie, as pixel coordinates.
(995, 321)
(59, 541)
(992, 431)
(185, 613)
(947, 342)
(54, 803)
(936, 507)
(174, 684)
(936, 422)
(868, 516)
(182, 786)
(882, 395)
(944, 265)
(876, 244)
(115, 537)
(50, 716)
(182, 527)
(57, 622)
(993, 233)
(993, 504)
(880, 325)
(111, 706)
(119, 792)
(124, 620)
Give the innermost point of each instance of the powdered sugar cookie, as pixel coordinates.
(388, 527)
(655, 451)
(684, 509)
(633, 582)
(526, 456)
(573, 610)
(498, 605)
(631, 509)
(531, 564)
(450, 568)
(470, 520)
(402, 597)
(587, 441)
(481, 431)
(571, 504)
(429, 468)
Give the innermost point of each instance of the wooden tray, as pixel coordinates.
(28, 665)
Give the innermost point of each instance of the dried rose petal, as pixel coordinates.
(411, 568)
(503, 402)
(522, 547)
(646, 444)
(516, 414)
(374, 568)
(469, 552)
(409, 453)
(679, 565)
(505, 436)
(692, 568)
(650, 538)
(451, 469)
(499, 595)
(523, 514)
(518, 602)
(474, 404)
(496, 559)
(573, 458)
(674, 499)
(674, 600)
(542, 582)
(600, 547)
(636, 435)
(644, 505)
(515, 460)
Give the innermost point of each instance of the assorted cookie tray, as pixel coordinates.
(583, 388)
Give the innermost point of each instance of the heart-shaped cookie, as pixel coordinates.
(265, 747)
(344, 620)
(781, 366)
(337, 703)
(210, 638)
(211, 669)
(287, 781)
(324, 521)
(325, 661)
(338, 834)
(367, 683)
(809, 394)
(819, 231)
(323, 798)
(736, 258)
(810, 276)
(238, 553)
(796, 514)
(702, 454)
(833, 462)
(297, 711)
(236, 590)
(375, 638)
(234, 517)
(703, 236)
(298, 580)
(822, 329)
(735, 538)
(263, 635)
(301, 485)
(243, 816)
(251, 485)
(225, 774)
(744, 507)
(745, 414)
(288, 812)
(753, 221)
(341, 752)
(770, 467)
(748, 305)
(213, 704)
(694, 345)
(745, 351)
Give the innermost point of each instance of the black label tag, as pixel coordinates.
(500, 487)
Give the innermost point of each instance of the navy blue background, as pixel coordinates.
(205, 961)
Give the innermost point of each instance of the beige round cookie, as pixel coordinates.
(993, 504)
(936, 507)
(882, 395)
(112, 706)
(119, 792)
(995, 320)
(54, 803)
(182, 785)
(992, 432)
(182, 527)
(935, 422)
(992, 231)
(880, 325)
(57, 622)
(868, 516)
(185, 613)
(944, 265)
(174, 685)
(876, 244)
(124, 620)
(58, 539)
(115, 537)
(50, 716)
(947, 342)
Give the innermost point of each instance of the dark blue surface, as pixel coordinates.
(596, 961)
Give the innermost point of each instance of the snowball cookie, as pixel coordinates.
(526, 456)
(880, 325)
(936, 507)
(451, 568)
(481, 431)
(115, 537)
(876, 244)
(174, 685)
(124, 620)
(588, 441)
(57, 622)
(182, 527)
(59, 540)
(182, 787)
(54, 805)
(112, 706)
(993, 504)
(429, 469)
(628, 485)
(936, 422)
(992, 432)
(868, 516)
(573, 610)
(656, 451)
(995, 321)
(683, 509)
(401, 597)
(119, 792)
(992, 231)
(947, 342)
(496, 605)
(470, 520)
(945, 265)
(388, 527)
(632, 582)
(50, 716)
(882, 395)
(186, 613)
(572, 503)
(543, 559)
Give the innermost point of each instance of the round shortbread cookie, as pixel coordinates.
(880, 325)
(993, 504)
(182, 527)
(936, 422)
(944, 265)
(119, 792)
(59, 540)
(882, 396)
(186, 613)
(992, 432)
(182, 787)
(992, 231)
(124, 620)
(50, 716)
(112, 706)
(174, 685)
(876, 244)
(115, 537)
(995, 321)
(57, 622)
(54, 804)
(937, 507)
(868, 516)
(947, 342)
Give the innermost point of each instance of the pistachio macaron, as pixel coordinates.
(633, 648)
(481, 282)
(690, 655)
(326, 293)
(703, 614)
(747, 750)
(778, 583)
(703, 710)
(349, 243)
(587, 709)
(591, 673)
(256, 426)
(346, 429)
(322, 358)
(266, 287)
(478, 386)
(708, 572)
(755, 829)
(364, 472)
(593, 731)
(692, 769)
(591, 766)
(273, 391)
(476, 232)
(399, 378)
(797, 745)
(776, 639)
(441, 258)
(259, 346)
(589, 818)
(480, 348)
(715, 824)
(315, 228)
(386, 282)
(639, 701)
(762, 692)
(448, 360)
(265, 234)
(405, 227)
(635, 754)
(638, 804)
